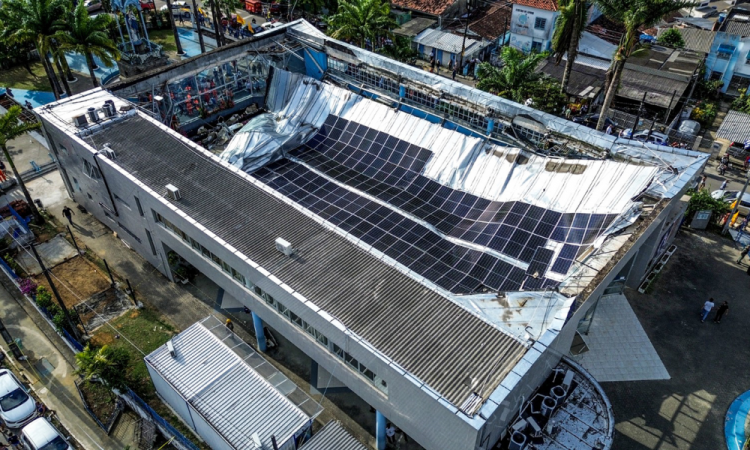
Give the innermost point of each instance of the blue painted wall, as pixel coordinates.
(312, 57)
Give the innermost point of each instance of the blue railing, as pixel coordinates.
(161, 422)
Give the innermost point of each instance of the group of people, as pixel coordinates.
(709, 306)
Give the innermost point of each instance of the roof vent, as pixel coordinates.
(284, 247)
(109, 109)
(170, 347)
(93, 115)
(108, 152)
(173, 192)
(80, 121)
(256, 441)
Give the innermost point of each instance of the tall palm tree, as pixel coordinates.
(88, 37)
(360, 20)
(632, 14)
(34, 21)
(568, 29)
(170, 17)
(510, 81)
(11, 128)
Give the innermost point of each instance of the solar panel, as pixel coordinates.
(390, 169)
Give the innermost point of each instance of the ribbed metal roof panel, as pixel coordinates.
(428, 335)
(333, 437)
(230, 395)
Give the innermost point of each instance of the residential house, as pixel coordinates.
(728, 59)
(532, 24)
(415, 26)
(441, 10)
(446, 47)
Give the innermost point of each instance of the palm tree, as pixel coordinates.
(359, 20)
(400, 50)
(512, 80)
(34, 21)
(170, 17)
(109, 364)
(88, 36)
(633, 15)
(11, 128)
(570, 24)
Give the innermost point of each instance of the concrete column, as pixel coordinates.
(490, 125)
(259, 334)
(380, 430)
(401, 91)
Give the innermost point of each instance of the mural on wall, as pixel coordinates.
(520, 42)
(522, 21)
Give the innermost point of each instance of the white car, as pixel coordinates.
(179, 9)
(642, 135)
(271, 25)
(731, 196)
(16, 406)
(42, 435)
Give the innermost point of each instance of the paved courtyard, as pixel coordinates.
(707, 362)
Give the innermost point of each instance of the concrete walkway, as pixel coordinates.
(50, 368)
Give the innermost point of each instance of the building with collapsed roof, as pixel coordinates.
(433, 246)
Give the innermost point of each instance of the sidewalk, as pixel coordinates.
(50, 368)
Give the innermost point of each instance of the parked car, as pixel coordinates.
(689, 128)
(146, 5)
(42, 435)
(590, 120)
(271, 25)
(643, 136)
(731, 196)
(93, 5)
(16, 406)
(179, 8)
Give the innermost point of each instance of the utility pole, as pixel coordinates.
(198, 27)
(736, 203)
(73, 328)
(638, 116)
(466, 31)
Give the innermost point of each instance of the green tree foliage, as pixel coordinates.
(633, 15)
(568, 28)
(401, 50)
(88, 36)
(358, 20)
(10, 128)
(702, 201)
(671, 38)
(705, 113)
(43, 297)
(518, 80)
(107, 363)
(742, 103)
(34, 22)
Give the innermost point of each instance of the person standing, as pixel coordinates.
(743, 253)
(723, 309)
(454, 73)
(390, 433)
(702, 183)
(229, 324)
(610, 129)
(437, 66)
(723, 185)
(68, 213)
(707, 307)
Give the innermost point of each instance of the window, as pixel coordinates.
(90, 171)
(540, 24)
(536, 47)
(151, 242)
(138, 204)
(725, 51)
(129, 232)
(75, 183)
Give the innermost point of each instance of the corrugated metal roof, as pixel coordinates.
(225, 388)
(735, 128)
(436, 340)
(414, 26)
(333, 437)
(441, 40)
(737, 28)
(695, 39)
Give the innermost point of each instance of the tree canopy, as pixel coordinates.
(359, 20)
(671, 38)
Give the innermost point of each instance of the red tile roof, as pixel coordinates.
(433, 7)
(492, 24)
(549, 5)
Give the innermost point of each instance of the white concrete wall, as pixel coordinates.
(523, 31)
(171, 397)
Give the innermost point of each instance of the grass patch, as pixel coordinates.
(147, 330)
(19, 78)
(165, 38)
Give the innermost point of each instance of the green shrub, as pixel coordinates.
(43, 297)
(671, 38)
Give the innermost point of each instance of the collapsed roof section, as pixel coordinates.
(468, 216)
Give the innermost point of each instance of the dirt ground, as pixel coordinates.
(79, 276)
(100, 399)
(103, 307)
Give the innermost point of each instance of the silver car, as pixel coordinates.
(16, 406)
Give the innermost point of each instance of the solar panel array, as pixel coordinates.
(390, 169)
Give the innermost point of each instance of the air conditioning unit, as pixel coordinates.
(80, 121)
(173, 192)
(109, 109)
(93, 115)
(170, 347)
(284, 247)
(108, 152)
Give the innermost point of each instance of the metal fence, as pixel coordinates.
(626, 120)
(180, 441)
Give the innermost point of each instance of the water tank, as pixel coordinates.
(548, 406)
(558, 393)
(93, 115)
